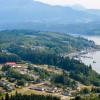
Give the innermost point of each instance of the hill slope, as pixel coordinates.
(48, 40)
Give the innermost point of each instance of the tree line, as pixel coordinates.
(78, 71)
(18, 96)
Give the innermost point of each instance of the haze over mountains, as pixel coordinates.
(22, 14)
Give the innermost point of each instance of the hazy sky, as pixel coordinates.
(95, 4)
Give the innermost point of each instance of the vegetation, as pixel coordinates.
(9, 58)
(29, 97)
(95, 90)
(64, 80)
(76, 69)
(21, 82)
(45, 48)
(58, 42)
(42, 73)
(13, 73)
(91, 97)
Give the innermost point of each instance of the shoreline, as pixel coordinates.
(88, 58)
(80, 53)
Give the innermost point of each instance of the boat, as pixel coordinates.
(94, 61)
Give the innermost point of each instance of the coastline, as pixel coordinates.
(82, 52)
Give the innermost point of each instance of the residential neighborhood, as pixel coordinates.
(33, 81)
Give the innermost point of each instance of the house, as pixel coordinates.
(67, 94)
(37, 88)
(12, 64)
(2, 83)
(12, 79)
(50, 90)
(9, 87)
(3, 91)
(4, 51)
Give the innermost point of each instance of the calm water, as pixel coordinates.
(94, 55)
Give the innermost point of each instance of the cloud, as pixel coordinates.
(86, 3)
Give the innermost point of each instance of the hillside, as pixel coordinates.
(51, 41)
(39, 66)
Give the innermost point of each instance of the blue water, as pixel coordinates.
(94, 55)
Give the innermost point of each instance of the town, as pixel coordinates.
(37, 79)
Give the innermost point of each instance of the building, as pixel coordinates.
(12, 64)
(37, 88)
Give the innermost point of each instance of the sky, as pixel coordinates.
(91, 4)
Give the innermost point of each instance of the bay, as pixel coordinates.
(93, 58)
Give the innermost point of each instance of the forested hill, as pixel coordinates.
(77, 70)
(44, 48)
(58, 42)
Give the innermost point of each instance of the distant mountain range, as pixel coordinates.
(18, 14)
